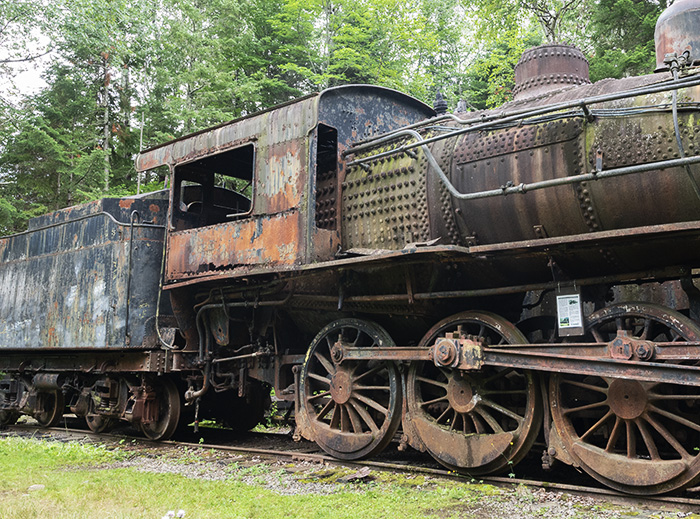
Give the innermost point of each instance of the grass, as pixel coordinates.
(79, 483)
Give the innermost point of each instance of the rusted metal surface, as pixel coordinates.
(476, 422)
(285, 227)
(631, 430)
(549, 151)
(269, 241)
(63, 283)
(549, 67)
(101, 361)
(352, 409)
(677, 31)
(568, 147)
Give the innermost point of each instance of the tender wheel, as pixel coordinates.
(7, 417)
(167, 400)
(476, 423)
(98, 423)
(353, 408)
(635, 436)
(50, 407)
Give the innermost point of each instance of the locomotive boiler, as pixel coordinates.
(477, 285)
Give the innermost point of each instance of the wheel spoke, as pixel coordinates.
(434, 401)
(325, 380)
(335, 418)
(499, 374)
(319, 395)
(366, 417)
(325, 410)
(478, 424)
(679, 419)
(371, 371)
(614, 435)
(444, 414)
(583, 385)
(502, 410)
(432, 382)
(354, 417)
(344, 418)
(326, 363)
(358, 334)
(372, 403)
(586, 407)
(631, 440)
(490, 420)
(668, 437)
(648, 440)
(657, 396)
(371, 388)
(596, 425)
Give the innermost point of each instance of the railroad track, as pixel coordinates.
(308, 452)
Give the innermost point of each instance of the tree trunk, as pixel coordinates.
(105, 120)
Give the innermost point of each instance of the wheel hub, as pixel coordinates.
(341, 386)
(461, 395)
(627, 398)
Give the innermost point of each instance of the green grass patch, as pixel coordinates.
(78, 483)
(89, 481)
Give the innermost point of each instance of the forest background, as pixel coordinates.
(124, 75)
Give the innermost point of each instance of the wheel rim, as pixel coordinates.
(7, 417)
(354, 408)
(98, 423)
(50, 408)
(474, 422)
(635, 436)
(168, 402)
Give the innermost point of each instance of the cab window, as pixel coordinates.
(214, 189)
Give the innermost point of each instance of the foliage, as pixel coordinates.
(491, 78)
(623, 37)
(128, 74)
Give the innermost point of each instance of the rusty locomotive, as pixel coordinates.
(478, 282)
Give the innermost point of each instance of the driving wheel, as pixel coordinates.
(479, 422)
(353, 407)
(635, 436)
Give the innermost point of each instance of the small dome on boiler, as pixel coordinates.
(678, 30)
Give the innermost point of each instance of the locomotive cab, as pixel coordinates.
(262, 191)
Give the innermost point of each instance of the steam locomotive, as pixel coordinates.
(472, 284)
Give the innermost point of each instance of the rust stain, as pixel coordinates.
(154, 208)
(126, 204)
(269, 240)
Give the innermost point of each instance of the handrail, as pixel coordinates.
(517, 116)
